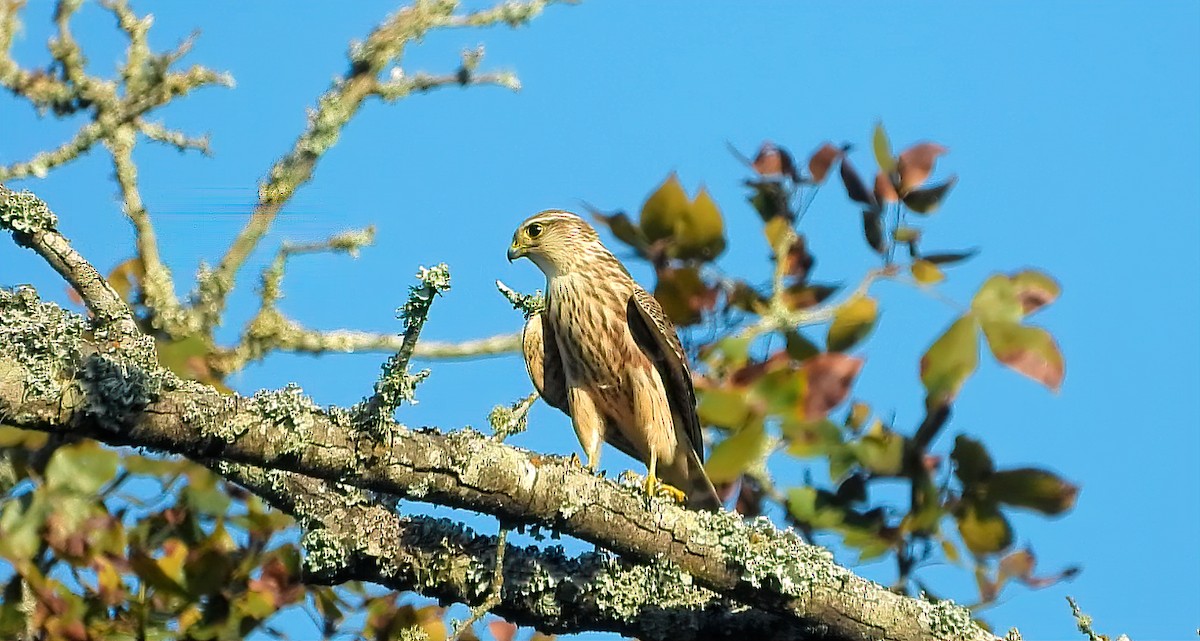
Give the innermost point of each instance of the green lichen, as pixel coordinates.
(948, 620)
(43, 338)
(291, 410)
(769, 557)
(528, 304)
(324, 553)
(25, 213)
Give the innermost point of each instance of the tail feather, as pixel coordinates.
(701, 493)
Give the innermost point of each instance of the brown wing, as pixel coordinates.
(656, 336)
(544, 363)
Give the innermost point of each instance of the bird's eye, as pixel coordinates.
(534, 230)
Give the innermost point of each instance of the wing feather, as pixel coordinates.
(656, 336)
(544, 362)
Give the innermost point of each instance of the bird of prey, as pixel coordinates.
(603, 352)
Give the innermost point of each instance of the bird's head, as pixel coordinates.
(555, 240)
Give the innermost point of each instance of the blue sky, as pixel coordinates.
(1075, 130)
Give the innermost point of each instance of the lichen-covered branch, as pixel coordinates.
(56, 384)
(368, 60)
(348, 537)
(395, 385)
(116, 109)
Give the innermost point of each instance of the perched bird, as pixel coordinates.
(603, 352)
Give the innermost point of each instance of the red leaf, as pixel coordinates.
(821, 161)
(916, 163)
(829, 377)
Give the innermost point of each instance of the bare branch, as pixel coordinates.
(382, 48)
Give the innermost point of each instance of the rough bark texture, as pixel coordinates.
(704, 573)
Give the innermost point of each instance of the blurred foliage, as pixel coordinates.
(776, 391)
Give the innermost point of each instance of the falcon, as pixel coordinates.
(603, 352)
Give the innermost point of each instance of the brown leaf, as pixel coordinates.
(622, 228)
(885, 191)
(277, 582)
(502, 630)
(829, 377)
(916, 164)
(750, 372)
(821, 161)
(926, 201)
(855, 188)
(1028, 350)
(873, 230)
(772, 161)
(1035, 289)
(798, 261)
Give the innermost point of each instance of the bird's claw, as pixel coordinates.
(657, 488)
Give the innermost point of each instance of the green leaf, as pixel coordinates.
(926, 201)
(997, 300)
(972, 464)
(951, 359)
(883, 149)
(1028, 350)
(983, 528)
(731, 457)
(700, 233)
(1035, 290)
(810, 438)
(663, 209)
(799, 348)
(813, 507)
(723, 408)
(1035, 489)
(82, 467)
(770, 200)
(852, 322)
(881, 450)
(21, 522)
(204, 494)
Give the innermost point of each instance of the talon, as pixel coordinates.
(671, 492)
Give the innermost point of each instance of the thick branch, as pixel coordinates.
(120, 403)
(349, 537)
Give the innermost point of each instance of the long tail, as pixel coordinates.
(701, 493)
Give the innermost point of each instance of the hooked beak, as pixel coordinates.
(515, 252)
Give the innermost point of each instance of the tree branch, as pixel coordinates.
(65, 389)
(335, 108)
(351, 538)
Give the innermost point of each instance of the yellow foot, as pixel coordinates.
(657, 488)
